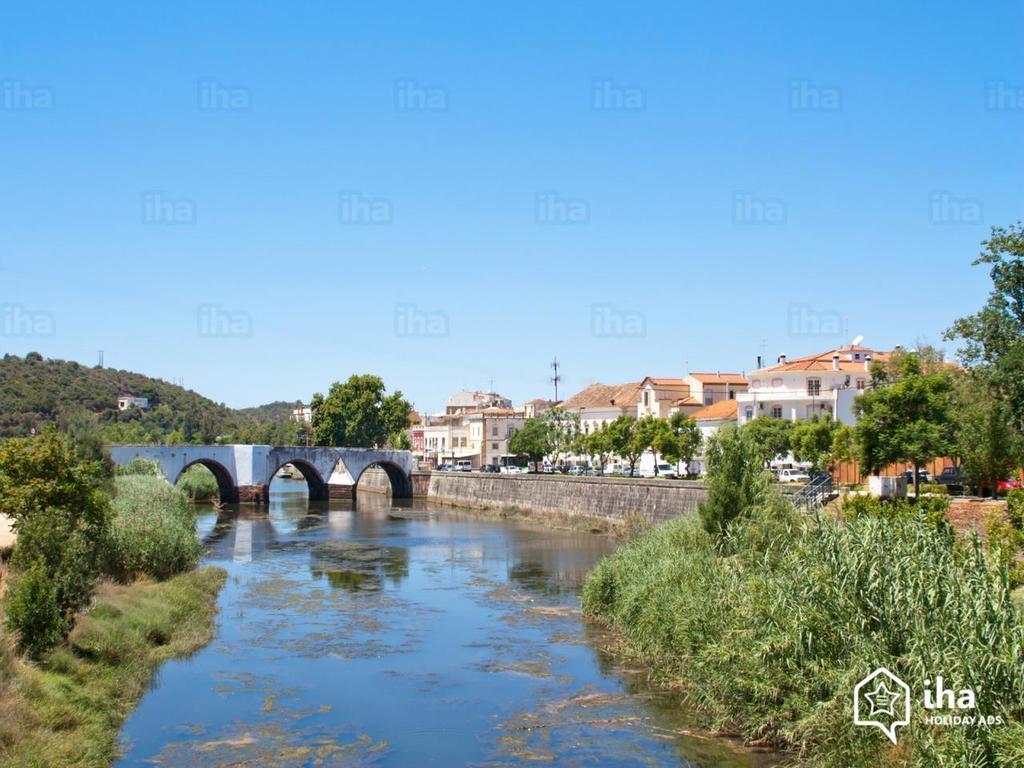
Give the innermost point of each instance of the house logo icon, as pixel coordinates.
(883, 700)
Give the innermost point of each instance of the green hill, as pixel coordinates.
(35, 392)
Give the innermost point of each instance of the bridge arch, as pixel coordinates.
(401, 483)
(226, 488)
(314, 480)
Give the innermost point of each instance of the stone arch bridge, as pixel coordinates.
(244, 472)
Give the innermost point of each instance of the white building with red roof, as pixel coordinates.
(813, 385)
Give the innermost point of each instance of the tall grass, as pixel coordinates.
(198, 483)
(153, 531)
(768, 631)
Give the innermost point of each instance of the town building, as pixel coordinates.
(663, 397)
(302, 413)
(124, 402)
(813, 385)
(534, 408)
(600, 404)
(710, 388)
(465, 401)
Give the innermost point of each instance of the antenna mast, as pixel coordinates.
(556, 378)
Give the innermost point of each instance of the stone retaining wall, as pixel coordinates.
(374, 480)
(599, 497)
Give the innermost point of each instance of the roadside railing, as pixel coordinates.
(815, 494)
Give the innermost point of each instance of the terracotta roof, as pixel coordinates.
(822, 361)
(688, 400)
(719, 378)
(665, 382)
(605, 396)
(723, 409)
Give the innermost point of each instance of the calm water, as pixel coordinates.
(403, 635)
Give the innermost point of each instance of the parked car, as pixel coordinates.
(578, 470)
(1009, 485)
(924, 474)
(664, 470)
(793, 476)
(488, 468)
(464, 465)
(951, 476)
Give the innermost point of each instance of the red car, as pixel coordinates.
(1008, 485)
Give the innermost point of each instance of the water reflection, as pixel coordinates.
(403, 635)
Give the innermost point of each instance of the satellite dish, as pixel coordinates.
(857, 340)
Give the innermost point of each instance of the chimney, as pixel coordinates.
(758, 363)
(782, 359)
(867, 362)
(898, 348)
(835, 362)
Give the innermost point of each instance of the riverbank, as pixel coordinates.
(767, 633)
(67, 710)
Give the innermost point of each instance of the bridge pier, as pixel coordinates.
(339, 491)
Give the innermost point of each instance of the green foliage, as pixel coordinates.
(985, 441)
(67, 710)
(932, 509)
(769, 640)
(993, 337)
(400, 441)
(906, 415)
(533, 440)
(139, 466)
(938, 488)
(62, 520)
(563, 431)
(1015, 507)
(737, 479)
(681, 441)
(812, 440)
(358, 414)
(153, 532)
(198, 483)
(770, 438)
(598, 444)
(625, 440)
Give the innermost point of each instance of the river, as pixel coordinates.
(401, 634)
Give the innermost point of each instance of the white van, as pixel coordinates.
(464, 465)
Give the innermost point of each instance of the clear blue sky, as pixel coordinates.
(261, 198)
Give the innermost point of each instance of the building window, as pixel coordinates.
(814, 387)
(732, 395)
(647, 398)
(709, 399)
(776, 411)
(776, 383)
(494, 446)
(861, 383)
(494, 431)
(748, 412)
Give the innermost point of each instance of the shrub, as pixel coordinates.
(62, 519)
(931, 508)
(139, 466)
(736, 479)
(1015, 507)
(769, 641)
(936, 488)
(198, 483)
(153, 531)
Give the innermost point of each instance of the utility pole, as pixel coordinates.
(556, 378)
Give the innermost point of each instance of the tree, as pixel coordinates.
(563, 431)
(812, 441)
(598, 443)
(533, 440)
(624, 441)
(648, 433)
(985, 441)
(905, 416)
(770, 438)
(993, 337)
(400, 441)
(737, 479)
(357, 413)
(62, 518)
(681, 441)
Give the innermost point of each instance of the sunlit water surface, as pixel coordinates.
(404, 635)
